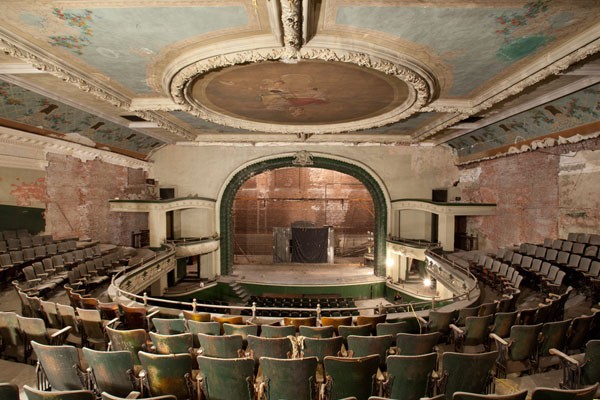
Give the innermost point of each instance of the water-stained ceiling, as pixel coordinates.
(479, 76)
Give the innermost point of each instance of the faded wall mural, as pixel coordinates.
(21, 105)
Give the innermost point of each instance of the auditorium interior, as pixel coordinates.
(299, 199)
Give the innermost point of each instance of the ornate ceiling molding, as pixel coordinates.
(291, 19)
(15, 47)
(417, 79)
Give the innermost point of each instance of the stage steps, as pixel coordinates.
(239, 291)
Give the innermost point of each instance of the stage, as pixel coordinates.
(304, 274)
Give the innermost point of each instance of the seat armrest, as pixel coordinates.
(133, 395)
(112, 322)
(498, 339)
(152, 313)
(560, 354)
(456, 329)
(423, 320)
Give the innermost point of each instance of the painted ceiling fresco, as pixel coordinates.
(389, 71)
(122, 42)
(21, 105)
(308, 92)
(476, 43)
(577, 109)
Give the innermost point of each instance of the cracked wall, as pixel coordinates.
(79, 192)
(542, 194)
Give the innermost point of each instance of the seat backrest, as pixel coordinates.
(11, 339)
(503, 321)
(336, 321)
(542, 393)
(591, 251)
(410, 376)
(522, 395)
(60, 364)
(51, 315)
(227, 319)
(391, 328)
(172, 344)
(463, 313)
(590, 372)
(300, 321)
(410, 344)
(269, 347)
(540, 252)
(357, 330)
(553, 335)
(580, 328)
(322, 347)
(362, 346)
(33, 329)
(270, 331)
(439, 321)
(290, 378)
(346, 377)
(133, 340)
(317, 331)
(34, 394)
(523, 341)
(243, 330)
(167, 373)
(9, 391)
(477, 330)
(169, 326)
(208, 328)
(487, 309)
(227, 346)
(231, 378)
(111, 370)
(373, 320)
(478, 378)
(91, 323)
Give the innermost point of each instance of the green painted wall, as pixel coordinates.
(15, 217)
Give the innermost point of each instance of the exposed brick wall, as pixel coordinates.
(279, 197)
(78, 194)
(534, 201)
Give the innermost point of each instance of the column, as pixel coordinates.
(446, 231)
(157, 223)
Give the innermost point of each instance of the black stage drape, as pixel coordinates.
(309, 245)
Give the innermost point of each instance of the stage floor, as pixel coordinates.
(298, 273)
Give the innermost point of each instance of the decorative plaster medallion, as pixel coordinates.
(248, 90)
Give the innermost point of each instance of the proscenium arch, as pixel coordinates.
(374, 188)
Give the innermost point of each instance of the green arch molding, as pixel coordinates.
(318, 162)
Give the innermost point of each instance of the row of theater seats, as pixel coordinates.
(537, 262)
(26, 242)
(371, 365)
(275, 305)
(83, 269)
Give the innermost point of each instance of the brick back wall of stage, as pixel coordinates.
(279, 197)
(78, 193)
(541, 194)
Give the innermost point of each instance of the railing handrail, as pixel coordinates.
(318, 310)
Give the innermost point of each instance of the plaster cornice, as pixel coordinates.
(17, 141)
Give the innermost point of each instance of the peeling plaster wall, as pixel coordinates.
(542, 194)
(78, 194)
(22, 187)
